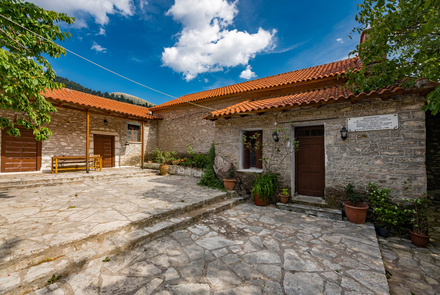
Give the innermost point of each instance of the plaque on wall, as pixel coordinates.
(381, 122)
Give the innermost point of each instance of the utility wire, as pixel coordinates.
(104, 68)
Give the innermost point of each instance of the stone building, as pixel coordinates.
(114, 133)
(386, 141)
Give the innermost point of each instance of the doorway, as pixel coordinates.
(104, 145)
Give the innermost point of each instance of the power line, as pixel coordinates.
(104, 68)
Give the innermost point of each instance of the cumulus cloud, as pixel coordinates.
(101, 32)
(248, 74)
(98, 48)
(340, 40)
(98, 9)
(206, 44)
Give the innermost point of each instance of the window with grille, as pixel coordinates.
(133, 133)
(253, 153)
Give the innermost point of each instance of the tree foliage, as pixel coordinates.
(24, 72)
(403, 44)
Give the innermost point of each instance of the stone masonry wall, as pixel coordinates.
(69, 137)
(184, 125)
(433, 154)
(391, 158)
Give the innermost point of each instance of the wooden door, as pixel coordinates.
(104, 145)
(310, 161)
(20, 154)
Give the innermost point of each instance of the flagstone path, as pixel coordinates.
(245, 250)
(33, 220)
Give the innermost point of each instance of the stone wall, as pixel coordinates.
(69, 137)
(183, 125)
(391, 158)
(433, 154)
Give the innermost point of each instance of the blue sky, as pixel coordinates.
(186, 46)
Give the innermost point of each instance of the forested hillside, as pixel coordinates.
(116, 96)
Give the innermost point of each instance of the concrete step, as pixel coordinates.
(329, 213)
(310, 201)
(46, 180)
(23, 277)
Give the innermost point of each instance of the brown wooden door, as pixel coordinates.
(20, 154)
(104, 145)
(309, 161)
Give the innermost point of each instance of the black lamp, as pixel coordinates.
(344, 133)
(275, 136)
(105, 122)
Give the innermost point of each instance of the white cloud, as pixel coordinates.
(248, 74)
(340, 40)
(206, 80)
(142, 5)
(101, 32)
(98, 48)
(98, 9)
(205, 44)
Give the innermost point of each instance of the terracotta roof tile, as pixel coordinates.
(334, 93)
(93, 101)
(308, 74)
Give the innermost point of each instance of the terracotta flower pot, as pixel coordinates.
(356, 213)
(163, 169)
(229, 184)
(260, 202)
(283, 198)
(419, 240)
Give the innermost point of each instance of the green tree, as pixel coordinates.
(403, 44)
(24, 72)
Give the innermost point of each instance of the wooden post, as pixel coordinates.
(142, 146)
(87, 140)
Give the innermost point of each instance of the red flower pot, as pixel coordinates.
(229, 184)
(356, 212)
(260, 202)
(419, 240)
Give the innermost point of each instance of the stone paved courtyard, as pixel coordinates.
(245, 250)
(34, 219)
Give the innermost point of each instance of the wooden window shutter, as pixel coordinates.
(259, 151)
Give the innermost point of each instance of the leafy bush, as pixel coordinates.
(200, 161)
(231, 172)
(265, 185)
(352, 196)
(163, 157)
(157, 156)
(419, 215)
(385, 213)
(210, 179)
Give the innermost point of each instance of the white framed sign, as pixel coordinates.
(380, 122)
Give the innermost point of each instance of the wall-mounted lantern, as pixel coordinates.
(344, 133)
(105, 122)
(275, 136)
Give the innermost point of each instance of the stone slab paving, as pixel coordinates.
(414, 270)
(35, 219)
(245, 250)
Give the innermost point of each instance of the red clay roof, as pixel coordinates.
(93, 101)
(313, 73)
(334, 93)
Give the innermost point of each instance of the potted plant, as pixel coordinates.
(419, 221)
(229, 181)
(284, 196)
(264, 187)
(163, 168)
(355, 210)
(385, 213)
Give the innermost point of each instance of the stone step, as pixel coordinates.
(329, 213)
(26, 182)
(31, 278)
(310, 201)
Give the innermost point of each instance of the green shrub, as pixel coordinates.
(200, 161)
(352, 196)
(210, 179)
(157, 156)
(385, 213)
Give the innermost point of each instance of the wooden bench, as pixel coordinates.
(60, 163)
